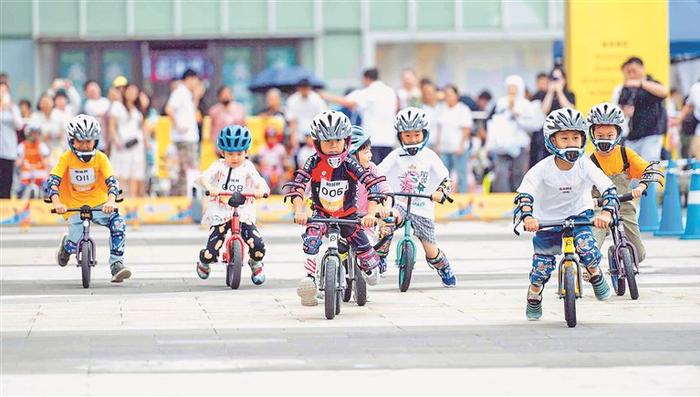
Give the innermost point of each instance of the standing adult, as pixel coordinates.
(184, 132)
(642, 100)
(302, 107)
(49, 121)
(556, 96)
(432, 107)
(456, 123)
(10, 122)
(273, 115)
(689, 118)
(225, 112)
(377, 104)
(508, 138)
(128, 155)
(96, 106)
(409, 93)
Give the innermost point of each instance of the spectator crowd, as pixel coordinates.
(487, 143)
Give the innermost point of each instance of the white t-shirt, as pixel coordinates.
(243, 179)
(408, 98)
(419, 174)
(694, 99)
(184, 114)
(559, 194)
(303, 110)
(452, 120)
(128, 122)
(377, 104)
(96, 107)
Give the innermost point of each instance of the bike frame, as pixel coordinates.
(235, 235)
(407, 237)
(86, 217)
(569, 260)
(620, 241)
(333, 234)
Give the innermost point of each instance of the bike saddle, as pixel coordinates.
(236, 199)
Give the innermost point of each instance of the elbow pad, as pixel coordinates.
(112, 186)
(652, 175)
(445, 186)
(523, 207)
(51, 186)
(610, 201)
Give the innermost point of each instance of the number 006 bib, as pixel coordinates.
(332, 194)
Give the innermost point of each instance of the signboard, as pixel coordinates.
(236, 73)
(115, 63)
(72, 64)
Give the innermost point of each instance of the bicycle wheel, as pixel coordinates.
(234, 265)
(617, 282)
(85, 268)
(570, 296)
(628, 263)
(360, 287)
(406, 263)
(330, 265)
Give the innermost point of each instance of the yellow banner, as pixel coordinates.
(601, 35)
(169, 210)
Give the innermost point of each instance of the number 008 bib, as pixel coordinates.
(332, 194)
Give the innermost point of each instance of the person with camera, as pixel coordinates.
(556, 96)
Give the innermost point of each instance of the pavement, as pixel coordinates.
(166, 332)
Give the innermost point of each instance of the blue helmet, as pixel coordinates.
(234, 138)
(358, 137)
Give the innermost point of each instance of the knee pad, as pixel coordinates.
(439, 262)
(70, 247)
(257, 251)
(312, 239)
(587, 249)
(542, 268)
(117, 230)
(368, 260)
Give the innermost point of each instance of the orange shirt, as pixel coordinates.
(82, 183)
(612, 164)
(33, 155)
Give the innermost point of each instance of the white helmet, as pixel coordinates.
(412, 119)
(606, 114)
(565, 119)
(83, 128)
(330, 124)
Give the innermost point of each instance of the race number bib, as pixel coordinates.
(332, 194)
(82, 179)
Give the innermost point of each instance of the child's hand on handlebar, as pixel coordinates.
(109, 206)
(384, 212)
(300, 218)
(639, 190)
(530, 224)
(369, 220)
(438, 196)
(260, 194)
(60, 208)
(603, 220)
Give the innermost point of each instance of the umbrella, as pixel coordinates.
(286, 79)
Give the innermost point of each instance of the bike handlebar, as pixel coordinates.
(620, 197)
(546, 225)
(335, 221)
(84, 208)
(425, 196)
(227, 194)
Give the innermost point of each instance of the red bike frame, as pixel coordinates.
(235, 236)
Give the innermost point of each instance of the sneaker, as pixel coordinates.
(257, 272)
(370, 276)
(449, 280)
(119, 272)
(600, 287)
(62, 256)
(534, 305)
(203, 270)
(307, 291)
